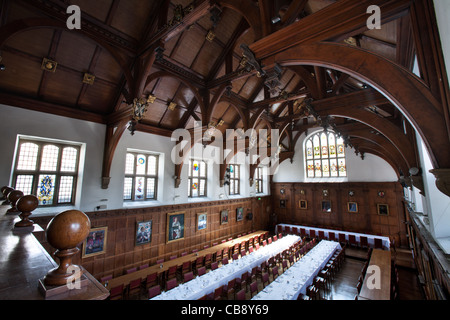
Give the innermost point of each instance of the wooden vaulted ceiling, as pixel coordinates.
(135, 48)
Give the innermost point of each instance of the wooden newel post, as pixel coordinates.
(26, 205)
(6, 190)
(64, 232)
(13, 197)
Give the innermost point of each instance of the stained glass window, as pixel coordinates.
(197, 178)
(48, 170)
(325, 156)
(141, 176)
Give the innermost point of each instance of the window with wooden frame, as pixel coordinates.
(234, 172)
(141, 176)
(259, 181)
(197, 178)
(48, 170)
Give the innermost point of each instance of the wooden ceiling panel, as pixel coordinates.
(207, 57)
(107, 68)
(34, 42)
(155, 112)
(165, 88)
(220, 109)
(187, 49)
(172, 118)
(61, 87)
(132, 16)
(227, 25)
(98, 98)
(74, 51)
(17, 12)
(22, 75)
(248, 88)
(98, 9)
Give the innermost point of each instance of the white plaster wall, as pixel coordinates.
(16, 121)
(442, 8)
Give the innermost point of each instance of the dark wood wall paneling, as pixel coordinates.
(365, 194)
(122, 253)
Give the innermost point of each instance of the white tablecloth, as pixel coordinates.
(370, 237)
(206, 284)
(300, 275)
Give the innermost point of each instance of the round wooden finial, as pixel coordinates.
(26, 205)
(13, 197)
(6, 190)
(64, 232)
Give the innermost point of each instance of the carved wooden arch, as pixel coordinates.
(162, 74)
(386, 147)
(383, 156)
(249, 12)
(405, 90)
(393, 133)
(23, 25)
(362, 143)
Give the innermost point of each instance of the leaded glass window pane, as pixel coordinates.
(141, 164)
(25, 183)
(28, 156)
(197, 178)
(49, 159)
(129, 164)
(128, 188)
(69, 159)
(65, 189)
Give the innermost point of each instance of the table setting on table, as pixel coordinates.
(207, 283)
(300, 275)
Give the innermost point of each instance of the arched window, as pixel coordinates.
(325, 155)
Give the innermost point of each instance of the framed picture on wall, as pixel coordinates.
(239, 214)
(352, 207)
(175, 226)
(202, 221)
(224, 217)
(143, 232)
(303, 204)
(95, 243)
(383, 209)
(326, 206)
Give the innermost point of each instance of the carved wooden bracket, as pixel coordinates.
(442, 180)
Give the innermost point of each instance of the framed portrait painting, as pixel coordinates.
(95, 243)
(383, 209)
(239, 214)
(143, 232)
(303, 204)
(326, 206)
(224, 217)
(175, 226)
(202, 221)
(352, 207)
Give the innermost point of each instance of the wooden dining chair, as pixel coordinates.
(154, 291)
(240, 295)
(170, 284)
(116, 293)
(253, 288)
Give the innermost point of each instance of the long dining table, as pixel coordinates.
(377, 281)
(385, 241)
(192, 257)
(300, 275)
(207, 283)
